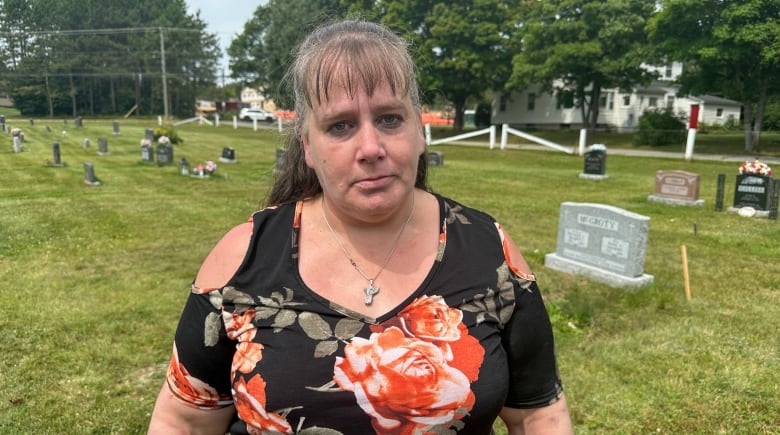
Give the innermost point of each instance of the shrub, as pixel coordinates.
(660, 127)
(482, 115)
(168, 130)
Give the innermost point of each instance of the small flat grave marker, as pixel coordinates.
(601, 241)
(228, 155)
(595, 163)
(677, 188)
(435, 158)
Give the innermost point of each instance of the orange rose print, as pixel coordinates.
(429, 318)
(246, 357)
(237, 324)
(403, 383)
(249, 398)
(191, 389)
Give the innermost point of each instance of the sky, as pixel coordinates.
(225, 18)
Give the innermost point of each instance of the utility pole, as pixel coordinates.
(164, 77)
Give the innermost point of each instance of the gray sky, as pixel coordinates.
(225, 18)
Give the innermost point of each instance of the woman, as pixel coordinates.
(358, 301)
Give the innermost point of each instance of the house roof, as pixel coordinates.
(712, 99)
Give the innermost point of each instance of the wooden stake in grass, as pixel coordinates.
(685, 273)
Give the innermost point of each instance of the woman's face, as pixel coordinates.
(364, 150)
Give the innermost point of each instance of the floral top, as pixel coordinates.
(473, 338)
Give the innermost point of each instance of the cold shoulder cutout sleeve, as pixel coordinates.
(224, 259)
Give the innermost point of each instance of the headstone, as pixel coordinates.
(595, 163)
(435, 158)
(116, 128)
(89, 175)
(184, 166)
(147, 152)
(228, 155)
(103, 146)
(2, 123)
(164, 154)
(32, 121)
(752, 191)
(55, 150)
(18, 139)
(774, 199)
(48, 129)
(677, 188)
(85, 143)
(281, 154)
(720, 192)
(601, 241)
(149, 134)
(79, 122)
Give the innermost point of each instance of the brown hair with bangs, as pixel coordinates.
(354, 56)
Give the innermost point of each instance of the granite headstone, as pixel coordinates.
(677, 188)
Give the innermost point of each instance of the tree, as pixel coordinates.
(579, 47)
(105, 56)
(261, 54)
(731, 47)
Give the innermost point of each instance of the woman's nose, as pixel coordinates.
(370, 146)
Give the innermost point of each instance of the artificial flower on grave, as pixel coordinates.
(16, 131)
(205, 169)
(163, 140)
(146, 143)
(755, 168)
(597, 147)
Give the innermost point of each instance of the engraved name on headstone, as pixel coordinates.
(601, 241)
(677, 188)
(752, 191)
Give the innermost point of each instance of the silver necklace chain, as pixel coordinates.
(372, 289)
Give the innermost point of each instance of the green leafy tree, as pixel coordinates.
(731, 48)
(261, 54)
(579, 47)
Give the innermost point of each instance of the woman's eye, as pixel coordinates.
(389, 120)
(339, 127)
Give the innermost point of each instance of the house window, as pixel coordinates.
(719, 112)
(652, 102)
(531, 102)
(502, 103)
(606, 101)
(668, 73)
(626, 100)
(670, 101)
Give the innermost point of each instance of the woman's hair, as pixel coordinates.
(353, 55)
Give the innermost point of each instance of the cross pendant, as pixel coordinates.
(370, 291)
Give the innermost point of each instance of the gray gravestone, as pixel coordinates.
(116, 128)
(103, 146)
(601, 241)
(720, 192)
(164, 154)
(85, 143)
(149, 134)
(55, 150)
(774, 198)
(89, 175)
(78, 122)
(2, 123)
(17, 143)
(281, 154)
(677, 188)
(435, 158)
(228, 155)
(147, 153)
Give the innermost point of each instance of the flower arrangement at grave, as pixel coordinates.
(164, 140)
(16, 131)
(170, 133)
(146, 143)
(755, 168)
(597, 147)
(204, 170)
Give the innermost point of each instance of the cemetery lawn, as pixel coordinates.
(94, 279)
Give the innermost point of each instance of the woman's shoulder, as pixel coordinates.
(228, 254)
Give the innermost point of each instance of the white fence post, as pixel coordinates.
(504, 135)
(583, 140)
(689, 143)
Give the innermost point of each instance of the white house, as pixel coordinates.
(534, 108)
(256, 100)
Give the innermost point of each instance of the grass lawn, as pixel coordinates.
(94, 279)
